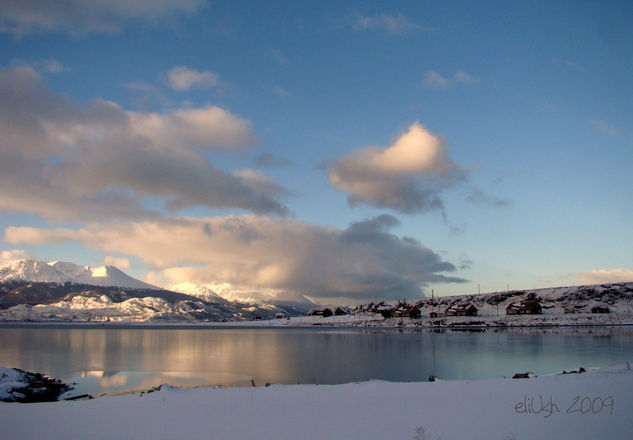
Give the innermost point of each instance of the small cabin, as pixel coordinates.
(434, 315)
(461, 309)
(524, 308)
(600, 309)
(320, 312)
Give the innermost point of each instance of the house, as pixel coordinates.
(600, 309)
(415, 312)
(320, 312)
(433, 315)
(461, 309)
(382, 309)
(525, 307)
(406, 311)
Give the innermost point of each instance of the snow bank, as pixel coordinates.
(597, 404)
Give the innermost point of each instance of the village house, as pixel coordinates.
(320, 312)
(461, 309)
(406, 311)
(526, 307)
(600, 309)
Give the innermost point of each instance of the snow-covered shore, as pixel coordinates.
(596, 404)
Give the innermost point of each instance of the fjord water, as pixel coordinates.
(117, 360)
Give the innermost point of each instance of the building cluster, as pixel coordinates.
(528, 306)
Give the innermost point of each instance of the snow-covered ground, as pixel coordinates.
(592, 405)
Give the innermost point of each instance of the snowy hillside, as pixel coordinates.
(196, 290)
(63, 272)
(37, 301)
(571, 305)
(32, 270)
(99, 276)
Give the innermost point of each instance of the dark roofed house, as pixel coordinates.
(461, 309)
(600, 309)
(320, 312)
(526, 307)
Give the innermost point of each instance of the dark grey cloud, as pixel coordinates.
(283, 257)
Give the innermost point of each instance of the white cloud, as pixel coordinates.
(120, 262)
(66, 161)
(605, 127)
(434, 80)
(54, 66)
(280, 92)
(80, 16)
(392, 23)
(605, 276)
(406, 176)
(13, 254)
(182, 78)
(208, 128)
(288, 257)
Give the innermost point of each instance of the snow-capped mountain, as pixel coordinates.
(99, 276)
(230, 293)
(197, 290)
(63, 272)
(32, 270)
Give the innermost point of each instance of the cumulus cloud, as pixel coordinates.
(182, 78)
(290, 258)
(434, 80)
(605, 276)
(66, 161)
(392, 23)
(81, 17)
(406, 176)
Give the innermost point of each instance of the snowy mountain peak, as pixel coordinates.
(197, 290)
(100, 275)
(62, 272)
(32, 270)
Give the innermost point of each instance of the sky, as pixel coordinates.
(337, 151)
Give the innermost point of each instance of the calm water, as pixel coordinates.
(117, 360)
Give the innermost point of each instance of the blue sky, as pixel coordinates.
(273, 123)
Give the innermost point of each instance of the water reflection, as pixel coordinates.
(116, 360)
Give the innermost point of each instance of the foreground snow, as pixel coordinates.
(597, 404)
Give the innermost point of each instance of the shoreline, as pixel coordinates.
(595, 404)
(256, 325)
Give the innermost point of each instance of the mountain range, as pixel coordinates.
(37, 290)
